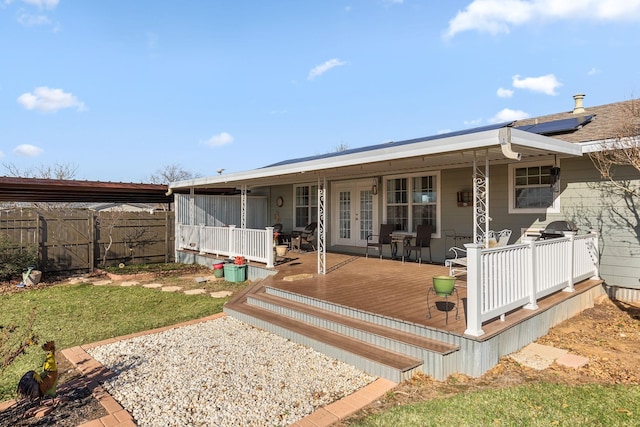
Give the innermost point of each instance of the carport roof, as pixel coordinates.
(456, 149)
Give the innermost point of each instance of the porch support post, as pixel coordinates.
(269, 248)
(569, 261)
(322, 249)
(192, 206)
(474, 291)
(481, 200)
(532, 286)
(243, 206)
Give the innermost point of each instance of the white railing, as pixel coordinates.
(504, 278)
(254, 245)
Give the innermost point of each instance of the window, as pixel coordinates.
(412, 201)
(306, 205)
(530, 188)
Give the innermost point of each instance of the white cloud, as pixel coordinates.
(504, 93)
(219, 140)
(28, 20)
(27, 150)
(499, 16)
(473, 123)
(43, 4)
(1, 154)
(593, 72)
(546, 84)
(49, 100)
(323, 68)
(508, 115)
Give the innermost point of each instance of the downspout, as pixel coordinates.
(504, 135)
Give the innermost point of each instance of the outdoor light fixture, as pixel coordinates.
(555, 178)
(374, 186)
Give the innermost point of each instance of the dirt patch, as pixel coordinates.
(607, 334)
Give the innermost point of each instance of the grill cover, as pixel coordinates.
(557, 228)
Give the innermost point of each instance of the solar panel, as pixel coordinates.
(392, 144)
(556, 126)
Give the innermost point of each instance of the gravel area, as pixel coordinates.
(222, 372)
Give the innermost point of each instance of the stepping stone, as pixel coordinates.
(172, 288)
(201, 279)
(76, 280)
(221, 294)
(194, 292)
(102, 282)
(152, 285)
(130, 283)
(572, 361)
(537, 356)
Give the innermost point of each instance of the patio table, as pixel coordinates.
(403, 237)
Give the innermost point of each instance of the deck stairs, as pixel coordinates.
(380, 346)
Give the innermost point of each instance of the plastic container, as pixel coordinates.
(234, 273)
(33, 278)
(218, 270)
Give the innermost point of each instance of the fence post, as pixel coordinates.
(474, 291)
(92, 240)
(269, 247)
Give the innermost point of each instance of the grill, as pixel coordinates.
(557, 229)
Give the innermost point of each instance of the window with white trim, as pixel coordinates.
(531, 189)
(306, 204)
(411, 201)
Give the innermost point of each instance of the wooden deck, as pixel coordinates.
(372, 313)
(394, 289)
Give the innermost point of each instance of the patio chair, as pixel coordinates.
(458, 264)
(384, 238)
(423, 240)
(306, 237)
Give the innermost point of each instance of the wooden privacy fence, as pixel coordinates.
(78, 239)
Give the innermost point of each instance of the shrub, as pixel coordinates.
(14, 259)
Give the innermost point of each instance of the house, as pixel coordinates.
(519, 175)
(430, 180)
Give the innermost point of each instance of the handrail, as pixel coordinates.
(254, 245)
(503, 278)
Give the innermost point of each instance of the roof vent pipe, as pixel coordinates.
(578, 108)
(504, 135)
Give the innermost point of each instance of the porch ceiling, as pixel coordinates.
(443, 152)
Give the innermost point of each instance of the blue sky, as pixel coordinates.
(122, 88)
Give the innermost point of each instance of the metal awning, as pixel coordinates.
(436, 152)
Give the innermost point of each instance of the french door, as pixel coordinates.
(354, 212)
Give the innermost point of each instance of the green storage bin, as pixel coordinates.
(235, 273)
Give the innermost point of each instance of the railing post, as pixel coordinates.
(201, 236)
(533, 277)
(232, 241)
(269, 247)
(596, 253)
(474, 291)
(570, 261)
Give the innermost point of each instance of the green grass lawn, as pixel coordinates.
(81, 314)
(529, 405)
